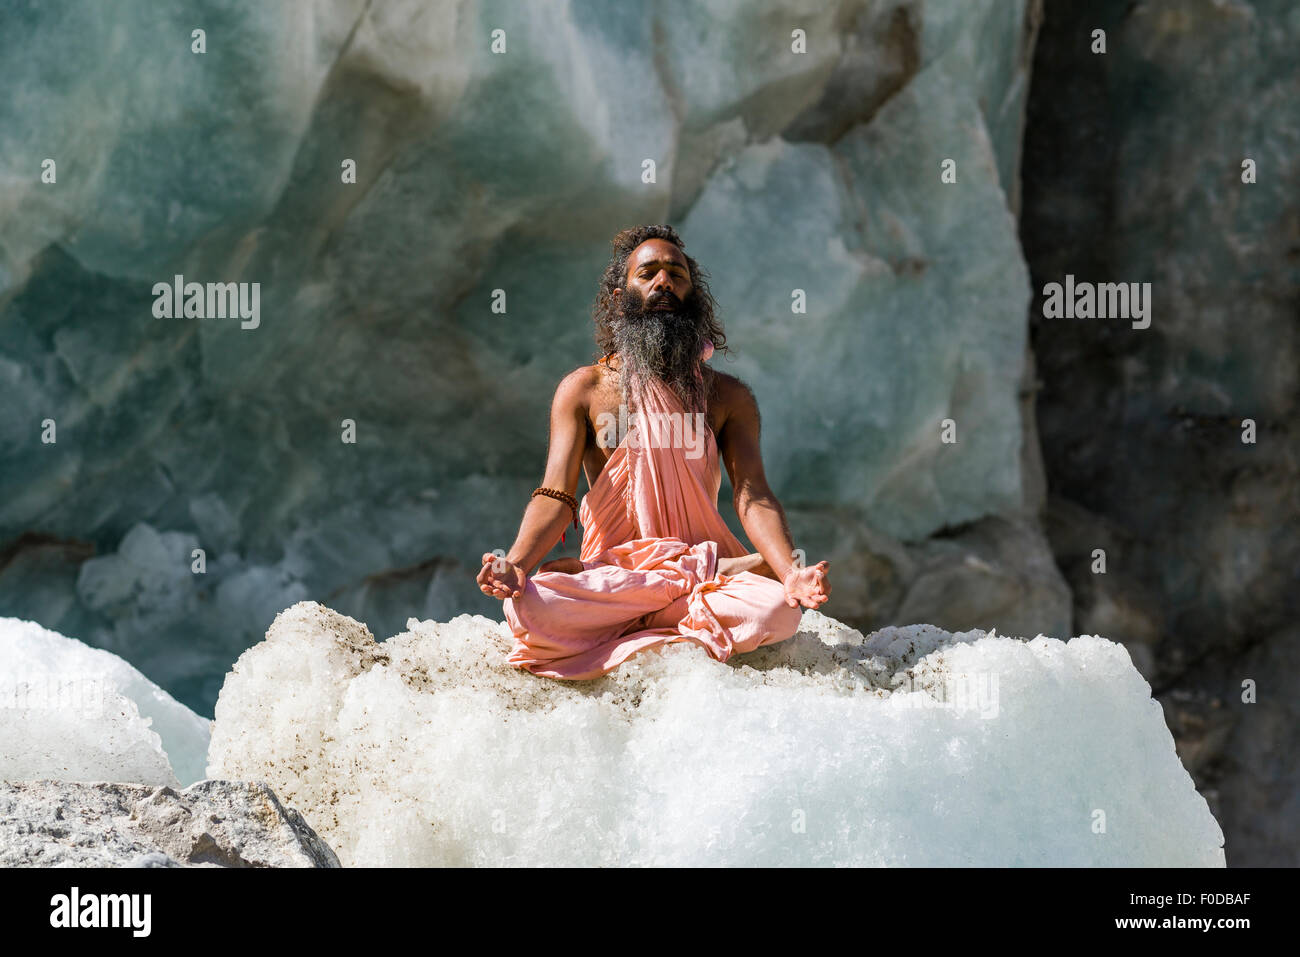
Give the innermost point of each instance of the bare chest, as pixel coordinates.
(608, 421)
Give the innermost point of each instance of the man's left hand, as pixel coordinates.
(808, 586)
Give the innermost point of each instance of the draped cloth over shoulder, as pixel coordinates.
(652, 537)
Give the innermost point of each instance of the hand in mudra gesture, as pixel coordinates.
(807, 586)
(507, 582)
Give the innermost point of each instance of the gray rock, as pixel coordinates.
(1133, 172)
(1241, 753)
(995, 573)
(211, 823)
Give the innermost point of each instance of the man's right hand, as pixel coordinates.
(499, 578)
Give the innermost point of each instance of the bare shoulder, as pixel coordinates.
(576, 388)
(733, 396)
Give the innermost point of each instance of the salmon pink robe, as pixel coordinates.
(652, 537)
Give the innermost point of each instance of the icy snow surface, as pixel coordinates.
(69, 712)
(913, 747)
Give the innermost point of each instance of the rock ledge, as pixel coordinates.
(211, 823)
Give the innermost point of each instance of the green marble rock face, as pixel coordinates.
(477, 171)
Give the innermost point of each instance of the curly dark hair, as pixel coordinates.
(615, 277)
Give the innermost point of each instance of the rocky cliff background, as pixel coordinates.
(1133, 171)
(488, 177)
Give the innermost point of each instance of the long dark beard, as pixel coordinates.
(663, 344)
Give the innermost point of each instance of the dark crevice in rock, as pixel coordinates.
(1126, 179)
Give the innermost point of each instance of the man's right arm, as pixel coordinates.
(545, 518)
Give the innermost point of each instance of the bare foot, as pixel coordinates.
(570, 566)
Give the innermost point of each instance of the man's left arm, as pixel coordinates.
(759, 511)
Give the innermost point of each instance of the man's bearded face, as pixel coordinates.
(661, 337)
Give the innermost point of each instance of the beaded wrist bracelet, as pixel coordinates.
(564, 497)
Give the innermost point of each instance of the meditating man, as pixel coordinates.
(647, 424)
